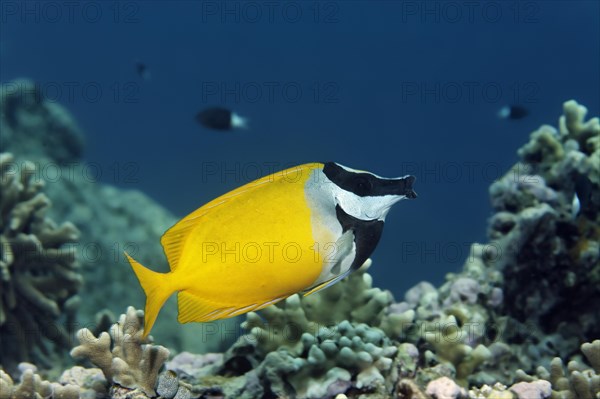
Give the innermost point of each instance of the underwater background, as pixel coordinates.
(392, 87)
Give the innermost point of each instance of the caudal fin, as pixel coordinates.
(157, 289)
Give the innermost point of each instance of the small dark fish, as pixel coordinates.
(142, 70)
(219, 118)
(513, 112)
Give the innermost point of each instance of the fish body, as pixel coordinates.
(513, 112)
(298, 230)
(219, 118)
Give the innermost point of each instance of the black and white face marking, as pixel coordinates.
(364, 195)
(335, 195)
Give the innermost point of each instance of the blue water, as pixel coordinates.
(392, 87)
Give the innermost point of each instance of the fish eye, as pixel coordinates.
(362, 186)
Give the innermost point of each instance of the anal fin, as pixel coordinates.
(193, 308)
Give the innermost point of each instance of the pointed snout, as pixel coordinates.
(402, 186)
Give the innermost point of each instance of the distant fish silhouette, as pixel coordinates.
(513, 112)
(219, 118)
(142, 70)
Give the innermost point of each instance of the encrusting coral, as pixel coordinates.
(39, 277)
(123, 356)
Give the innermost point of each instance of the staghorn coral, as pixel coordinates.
(39, 277)
(122, 355)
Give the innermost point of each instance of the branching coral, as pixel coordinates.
(123, 356)
(32, 386)
(578, 381)
(39, 276)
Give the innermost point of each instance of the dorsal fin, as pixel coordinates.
(175, 237)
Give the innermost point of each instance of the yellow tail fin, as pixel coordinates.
(156, 288)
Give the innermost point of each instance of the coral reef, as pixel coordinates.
(578, 382)
(36, 128)
(123, 356)
(102, 243)
(543, 239)
(41, 130)
(507, 326)
(466, 331)
(32, 386)
(303, 348)
(39, 277)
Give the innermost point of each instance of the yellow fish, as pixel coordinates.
(298, 230)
